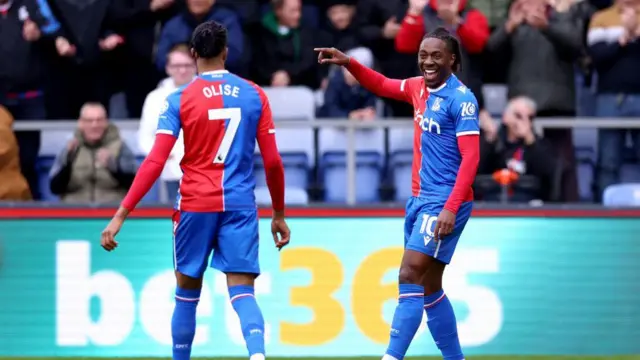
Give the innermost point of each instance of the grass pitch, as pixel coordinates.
(503, 357)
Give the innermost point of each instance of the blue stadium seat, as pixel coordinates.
(43, 167)
(622, 195)
(400, 140)
(585, 167)
(293, 103)
(400, 166)
(292, 196)
(585, 138)
(368, 176)
(296, 170)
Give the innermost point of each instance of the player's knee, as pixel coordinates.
(236, 279)
(410, 275)
(187, 282)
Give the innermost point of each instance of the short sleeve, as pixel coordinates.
(464, 110)
(169, 119)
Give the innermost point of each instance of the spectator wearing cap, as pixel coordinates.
(178, 31)
(462, 20)
(282, 47)
(614, 46)
(344, 97)
(542, 44)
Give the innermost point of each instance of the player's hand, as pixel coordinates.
(280, 231)
(331, 56)
(108, 238)
(64, 47)
(30, 31)
(444, 224)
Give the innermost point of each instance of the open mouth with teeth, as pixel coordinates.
(431, 74)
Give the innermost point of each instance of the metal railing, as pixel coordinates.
(351, 126)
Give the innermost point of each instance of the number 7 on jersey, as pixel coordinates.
(234, 115)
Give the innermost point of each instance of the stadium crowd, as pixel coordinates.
(95, 60)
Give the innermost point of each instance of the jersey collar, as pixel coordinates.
(444, 84)
(215, 72)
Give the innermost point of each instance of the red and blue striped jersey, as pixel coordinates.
(221, 115)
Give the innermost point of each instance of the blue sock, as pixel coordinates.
(442, 324)
(406, 320)
(251, 321)
(183, 322)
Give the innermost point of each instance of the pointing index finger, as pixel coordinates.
(321, 49)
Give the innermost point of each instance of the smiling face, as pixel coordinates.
(435, 61)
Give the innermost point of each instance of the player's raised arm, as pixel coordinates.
(465, 112)
(370, 79)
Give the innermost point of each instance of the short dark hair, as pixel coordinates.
(452, 44)
(209, 39)
(179, 48)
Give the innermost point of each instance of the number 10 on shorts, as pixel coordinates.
(426, 229)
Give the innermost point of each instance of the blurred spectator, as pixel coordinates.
(13, 186)
(494, 10)
(95, 165)
(181, 69)
(542, 44)
(178, 31)
(614, 46)
(27, 27)
(515, 147)
(130, 63)
(344, 97)
(341, 32)
(469, 24)
(283, 48)
(79, 73)
(377, 24)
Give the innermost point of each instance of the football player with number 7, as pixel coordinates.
(445, 160)
(221, 116)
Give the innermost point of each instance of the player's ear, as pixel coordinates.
(225, 52)
(194, 55)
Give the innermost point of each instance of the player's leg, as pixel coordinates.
(236, 254)
(408, 313)
(193, 241)
(441, 319)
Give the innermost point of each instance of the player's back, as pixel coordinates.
(219, 116)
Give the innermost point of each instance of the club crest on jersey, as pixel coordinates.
(436, 104)
(165, 107)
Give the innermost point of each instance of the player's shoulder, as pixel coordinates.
(412, 83)
(459, 92)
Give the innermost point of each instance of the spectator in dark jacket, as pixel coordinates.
(340, 32)
(344, 97)
(27, 30)
(283, 47)
(515, 147)
(95, 165)
(178, 31)
(614, 46)
(542, 45)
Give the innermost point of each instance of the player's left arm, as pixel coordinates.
(464, 110)
(274, 169)
(151, 168)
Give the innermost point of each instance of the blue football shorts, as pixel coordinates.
(232, 237)
(419, 223)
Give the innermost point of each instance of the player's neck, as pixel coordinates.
(440, 86)
(209, 66)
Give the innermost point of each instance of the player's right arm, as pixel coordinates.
(370, 79)
(274, 170)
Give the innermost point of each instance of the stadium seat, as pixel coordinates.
(495, 98)
(400, 140)
(368, 176)
(335, 140)
(622, 195)
(400, 166)
(292, 196)
(43, 167)
(296, 170)
(586, 139)
(585, 163)
(293, 103)
(630, 169)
